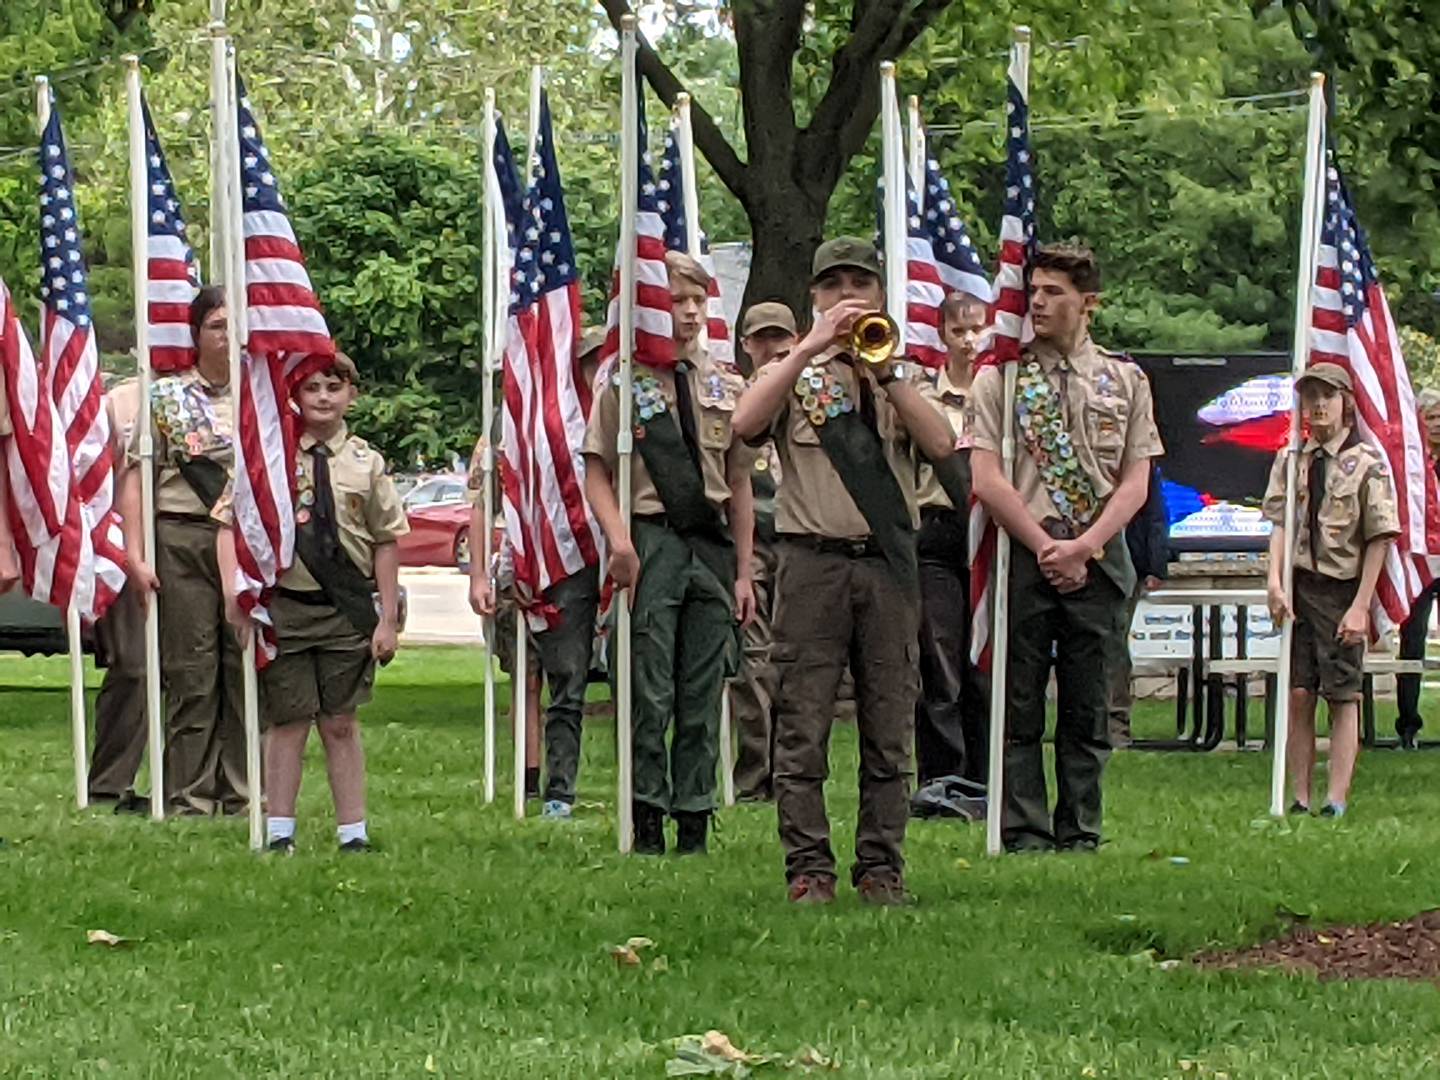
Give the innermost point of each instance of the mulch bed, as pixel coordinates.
(1386, 950)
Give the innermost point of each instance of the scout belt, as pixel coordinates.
(678, 481)
(1042, 423)
(858, 457)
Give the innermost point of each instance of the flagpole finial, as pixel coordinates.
(628, 23)
(682, 100)
(1022, 35)
(887, 69)
(131, 61)
(217, 28)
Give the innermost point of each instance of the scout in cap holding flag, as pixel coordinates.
(1345, 520)
(848, 586)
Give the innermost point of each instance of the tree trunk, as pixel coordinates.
(786, 226)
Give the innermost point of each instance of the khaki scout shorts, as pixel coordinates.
(1318, 661)
(324, 667)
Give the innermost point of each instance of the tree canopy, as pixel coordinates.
(1168, 136)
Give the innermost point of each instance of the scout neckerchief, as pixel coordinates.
(186, 420)
(857, 454)
(1315, 487)
(1040, 411)
(671, 452)
(317, 544)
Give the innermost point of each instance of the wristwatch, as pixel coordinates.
(897, 371)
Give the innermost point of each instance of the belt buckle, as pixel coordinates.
(859, 548)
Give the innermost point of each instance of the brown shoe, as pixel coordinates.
(812, 889)
(883, 888)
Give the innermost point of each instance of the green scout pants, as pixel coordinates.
(120, 708)
(753, 693)
(1078, 631)
(565, 658)
(682, 644)
(832, 609)
(200, 670)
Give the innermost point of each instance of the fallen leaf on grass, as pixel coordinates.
(659, 965)
(718, 1044)
(104, 937)
(810, 1058)
(628, 955)
(430, 1065)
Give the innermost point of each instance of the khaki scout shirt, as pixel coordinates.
(1107, 410)
(813, 500)
(950, 402)
(190, 417)
(368, 511)
(715, 388)
(1359, 504)
(123, 402)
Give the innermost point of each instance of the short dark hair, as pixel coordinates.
(206, 300)
(1074, 261)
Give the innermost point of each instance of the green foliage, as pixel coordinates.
(392, 230)
(1422, 357)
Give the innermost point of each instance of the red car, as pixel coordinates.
(439, 516)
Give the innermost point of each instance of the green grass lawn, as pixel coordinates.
(475, 946)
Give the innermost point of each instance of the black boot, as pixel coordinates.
(649, 830)
(690, 829)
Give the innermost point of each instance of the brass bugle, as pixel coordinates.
(874, 337)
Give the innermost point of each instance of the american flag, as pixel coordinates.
(1009, 313)
(548, 525)
(1351, 326)
(70, 369)
(288, 341)
(718, 340)
(654, 344)
(43, 510)
(174, 275)
(941, 260)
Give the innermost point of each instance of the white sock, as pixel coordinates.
(354, 831)
(280, 828)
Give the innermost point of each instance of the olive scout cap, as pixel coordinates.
(345, 368)
(767, 316)
(845, 251)
(1329, 374)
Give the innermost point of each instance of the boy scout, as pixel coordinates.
(1416, 628)
(120, 640)
(561, 652)
(678, 562)
(1084, 433)
(335, 611)
(767, 333)
(952, 715)
(199, 659)
(848, 587)
(1344, 522)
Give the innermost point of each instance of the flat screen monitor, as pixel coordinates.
(1222, 419)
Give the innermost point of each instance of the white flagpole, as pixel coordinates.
(520, 682)
(896, 212)
(223, 58)
(139, 243)
(78, 717)
(1312, 209)
(489, 302)
(1000, 631)
(217, 165)
(690, 195)
(624, 442)
(918, 149)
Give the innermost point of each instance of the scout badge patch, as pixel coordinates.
(1038, 412)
